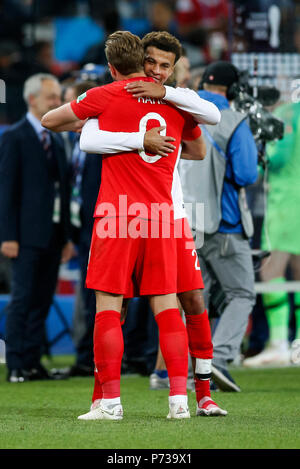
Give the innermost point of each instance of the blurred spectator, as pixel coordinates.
(100, 74)
(210, 15)
(5, 274)
(68, 137)
(297, 38)
(196, 75)
(110, 21)
(14, 73)
(67, 32)
(204, 23)
(182, 71)
(281, 236)
(100, 9)
(43, 58)
(16, 65)
(13, 15)
(34, 226)
(50, 8)
(162, 16)
(134, 16)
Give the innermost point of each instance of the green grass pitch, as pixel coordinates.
(43, 415)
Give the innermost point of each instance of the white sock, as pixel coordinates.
(108, 403)
(182, 399)
(203, 366)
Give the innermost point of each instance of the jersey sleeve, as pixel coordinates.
(91, 103)
(203, 111)
(191, 130)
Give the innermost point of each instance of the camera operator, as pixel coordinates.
(218, 181)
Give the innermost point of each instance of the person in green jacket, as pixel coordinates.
(281, 236)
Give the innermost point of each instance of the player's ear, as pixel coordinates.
(171, 71)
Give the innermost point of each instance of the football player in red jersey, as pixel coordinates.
(161, 53)
(133, 191)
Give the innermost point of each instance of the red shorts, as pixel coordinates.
(115, 261)
(189, 275)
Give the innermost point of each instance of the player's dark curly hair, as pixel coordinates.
(164, 41)
(124, 51)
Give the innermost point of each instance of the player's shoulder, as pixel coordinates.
(110, 89)
(120, 85)
(116, 86)
(100, 89)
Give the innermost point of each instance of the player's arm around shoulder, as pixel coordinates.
(203, 111)
(185, 99)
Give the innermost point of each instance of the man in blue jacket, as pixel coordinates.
(218, 182)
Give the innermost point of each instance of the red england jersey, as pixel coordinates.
(143, 181)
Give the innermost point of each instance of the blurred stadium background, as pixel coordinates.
(66, 38)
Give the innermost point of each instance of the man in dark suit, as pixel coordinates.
(34, 225)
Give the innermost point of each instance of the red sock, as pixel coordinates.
(199, 333)
(174, 347)
(201, 347)
(97, 392)
(202, 388)
(108, 352)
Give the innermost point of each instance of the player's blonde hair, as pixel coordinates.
(124, 51)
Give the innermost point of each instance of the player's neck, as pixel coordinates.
(134, 75)
(117, 76)
(131, 75)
